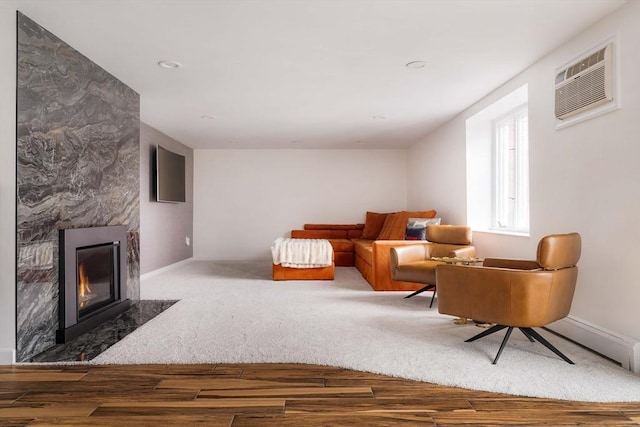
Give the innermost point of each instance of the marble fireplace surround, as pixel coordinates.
(78, 165)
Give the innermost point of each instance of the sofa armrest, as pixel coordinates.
(405, 254)
(381, 268)
(463, 252)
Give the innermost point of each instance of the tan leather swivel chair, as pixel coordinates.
(413, 263)
(514, 293)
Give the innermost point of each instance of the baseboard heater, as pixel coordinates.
(623, 350)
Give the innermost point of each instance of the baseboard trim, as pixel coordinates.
(7, 356)
(165, 268)
(622, 349)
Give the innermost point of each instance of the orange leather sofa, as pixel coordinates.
(339, 235)
(367, 246)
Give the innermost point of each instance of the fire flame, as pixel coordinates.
(83, 281)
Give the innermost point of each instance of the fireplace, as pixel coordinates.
(93, 278)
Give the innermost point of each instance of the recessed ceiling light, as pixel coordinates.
(378, 117)
(169, 64)
(207, 116)
(232, 142)
(416, 64)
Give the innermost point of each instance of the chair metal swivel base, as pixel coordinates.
(421, 290)
(528, 332)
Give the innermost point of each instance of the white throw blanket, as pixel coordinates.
(302, 253)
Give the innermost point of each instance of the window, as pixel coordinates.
(511, 194)
(497, 150)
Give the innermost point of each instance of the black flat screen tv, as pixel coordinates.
(170, 176)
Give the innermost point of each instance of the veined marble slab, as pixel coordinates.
(78, 165)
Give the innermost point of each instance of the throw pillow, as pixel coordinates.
(422, 222)
(395, 225)
(415, 233)
(417, 228)
(390, 223)
(373, 224)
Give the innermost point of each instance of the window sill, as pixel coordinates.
(503, 232)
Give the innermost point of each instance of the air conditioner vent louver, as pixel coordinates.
(585, 84)
(586, 63)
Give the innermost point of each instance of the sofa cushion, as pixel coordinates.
(354, 234)
(395, 224)
(341, 245)
(364, 250)
(373, 224)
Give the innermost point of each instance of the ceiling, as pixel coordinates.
(315, 73)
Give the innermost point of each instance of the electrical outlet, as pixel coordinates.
(187, 241)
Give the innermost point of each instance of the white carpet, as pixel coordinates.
(233, 313)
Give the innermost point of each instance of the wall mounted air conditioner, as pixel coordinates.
(585, 84)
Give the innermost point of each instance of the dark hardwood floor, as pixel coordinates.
(269, 395)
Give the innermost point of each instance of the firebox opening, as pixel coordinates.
(97, 274)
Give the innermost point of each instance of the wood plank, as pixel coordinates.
(197, 407)
(396, 390)
(530, 418)
(138, 421)
(79, 386)
(229, 370)
(204, 403)
(15, 422)
(113, 395)
(40, 376)
(304, 371)
(46, 411)
(376, 405)
(378, 382)
(231, 384)
(164, 370)
(7, 398)
(358, 420)
(295, 392)
(523, 404)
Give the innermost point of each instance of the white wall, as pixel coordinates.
(436, 174)
(584, 178)
(7, 183)
(244, 199)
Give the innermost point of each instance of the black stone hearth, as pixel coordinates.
(93, 342)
